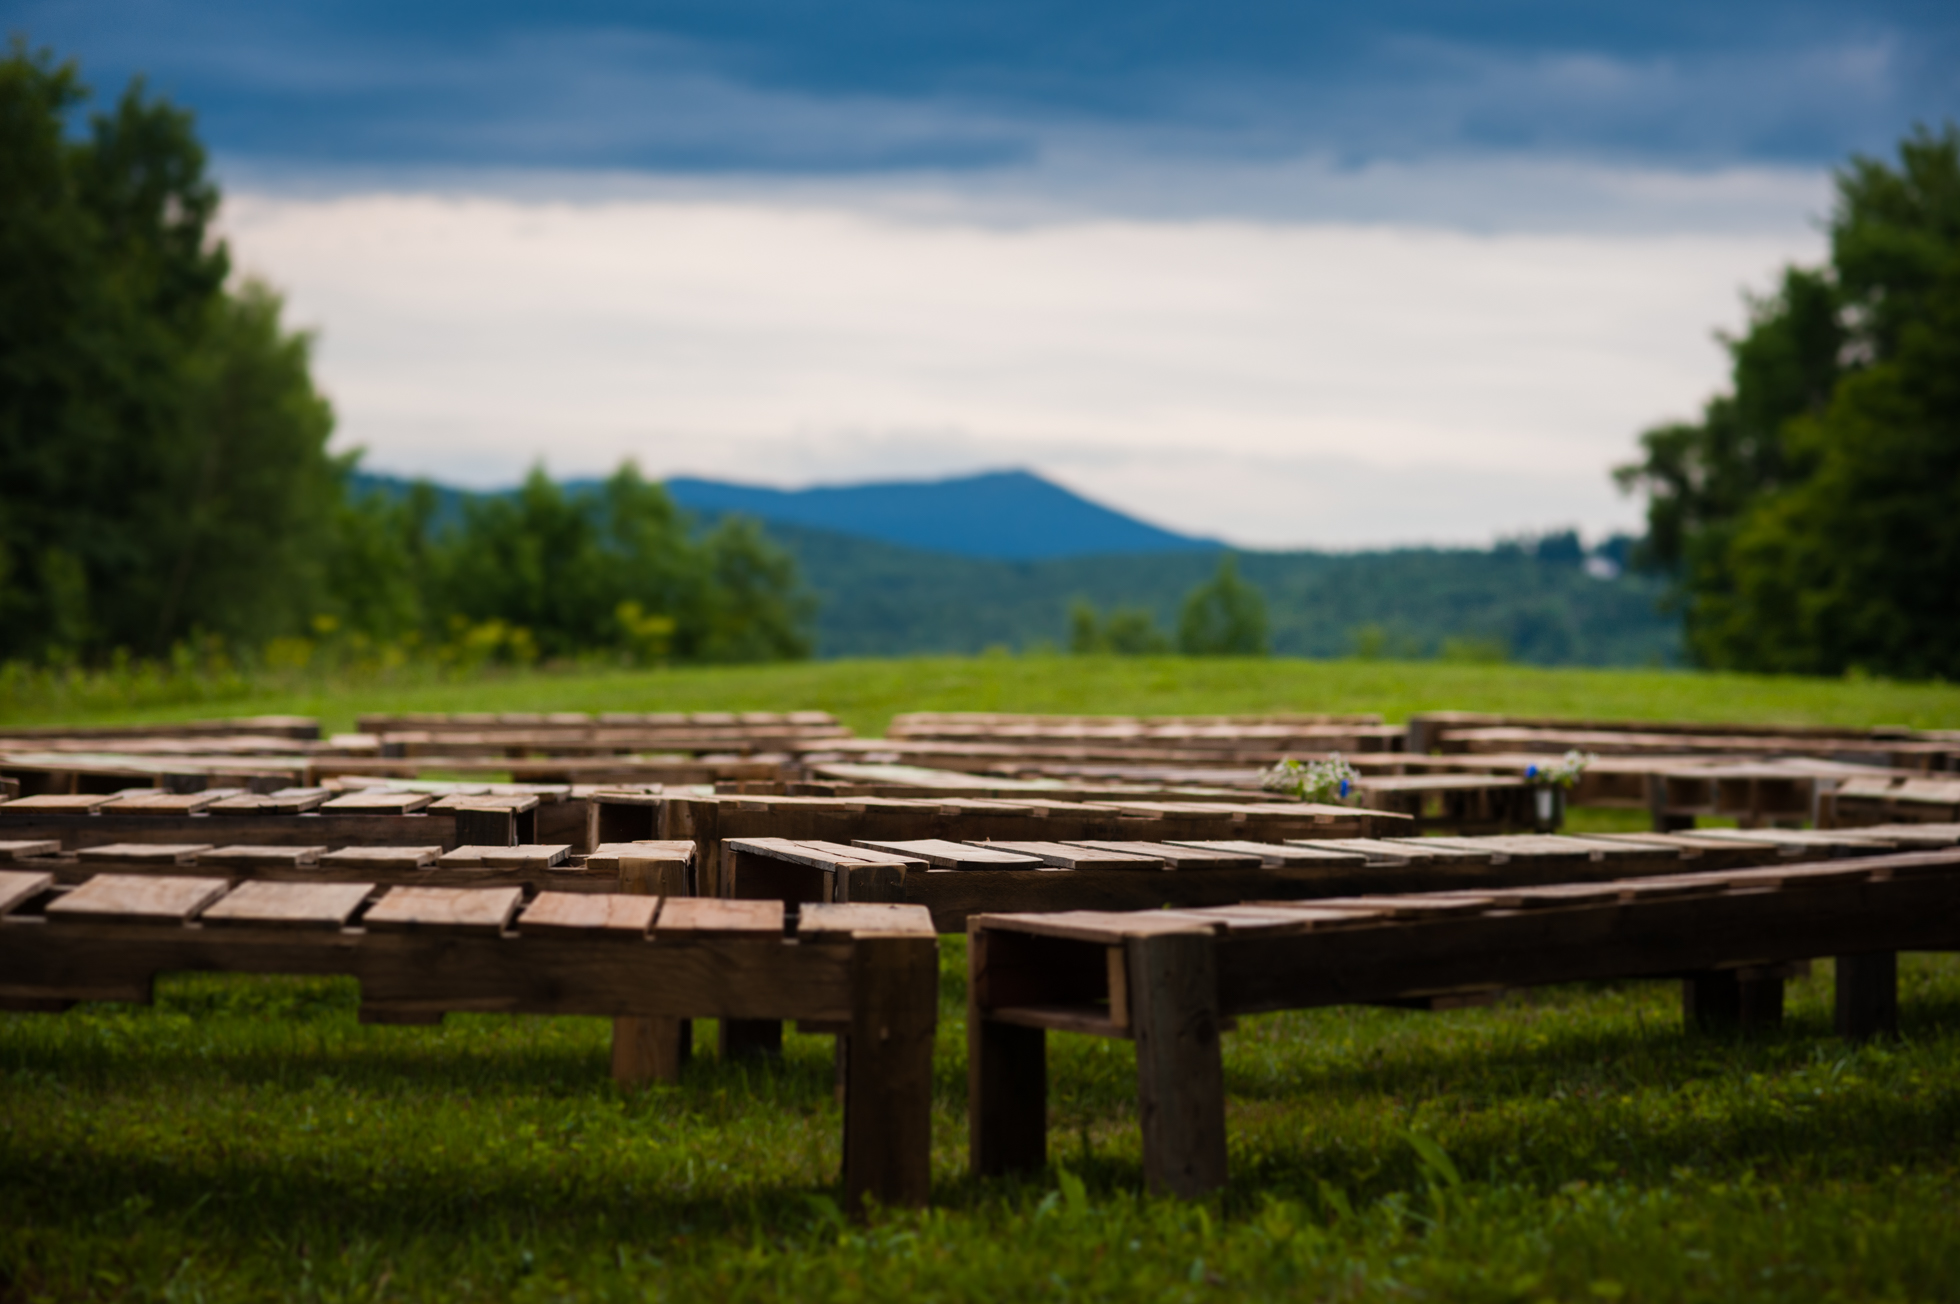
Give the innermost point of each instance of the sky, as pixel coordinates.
(1286, 275)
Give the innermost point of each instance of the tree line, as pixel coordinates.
(1810, 519)
(165, 475)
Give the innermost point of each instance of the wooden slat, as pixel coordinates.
(530, 856)
(166, 853)
(1181, 857)
(20, 849)
(1273, 854)
(843, 920)
(382, 857)
(18, 885)
(58, 803)
(449, 909)
(253, 856)
(378, 803)
(1066, 856)
(588, 914)
(169, 803)
(261, 904)
(687, 917)
(1388, 851)
(287, 801)
(136, 898)
(944, 854)
(1109, 927)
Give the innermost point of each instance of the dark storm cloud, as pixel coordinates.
(784, 86)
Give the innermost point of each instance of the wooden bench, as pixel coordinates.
(868, 973)
(955, 880)
(1171, 979)
(708, 821)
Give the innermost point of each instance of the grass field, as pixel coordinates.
(865, 694)
(248, 1139)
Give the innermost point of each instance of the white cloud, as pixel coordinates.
(1273, 382)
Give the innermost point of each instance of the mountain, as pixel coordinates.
(1005, 515)
(1543, 602)
(1532, 604)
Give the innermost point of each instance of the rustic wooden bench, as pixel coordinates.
(1171, 979)
(867, 973)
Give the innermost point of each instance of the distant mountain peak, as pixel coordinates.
(1010, 515)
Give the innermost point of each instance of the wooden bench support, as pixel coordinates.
(1180, 1068)
(1731, 1000)
(1868, 995)
(1007, 1109)
(888, 1070)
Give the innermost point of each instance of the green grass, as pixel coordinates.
(865, 694)
(247, 1139)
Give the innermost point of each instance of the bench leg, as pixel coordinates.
(647, 1050)
(1180, 1065)
(1868, 995)
(888, 1071)
(1723, 1000)
(750, 1038)
(1007, 1089)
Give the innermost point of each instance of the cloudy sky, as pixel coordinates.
(1281, 274)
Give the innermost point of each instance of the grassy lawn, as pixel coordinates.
(248, 1139)
(865, 694)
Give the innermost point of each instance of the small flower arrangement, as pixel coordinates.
(1332, 781)
(1565, 774)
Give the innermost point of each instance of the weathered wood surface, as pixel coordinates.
(73, 829)
(876, 978)
(262, 904)
(1735, 937)
(447, 909)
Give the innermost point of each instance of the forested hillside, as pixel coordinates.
(1531, 604)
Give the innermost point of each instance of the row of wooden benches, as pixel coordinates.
(1170, 980)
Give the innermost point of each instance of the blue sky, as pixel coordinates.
(1281, 274)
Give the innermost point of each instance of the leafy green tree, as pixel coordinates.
(1225, 616)
(751, 608)
(1127, 632)
(163, 467)
(1804, 517)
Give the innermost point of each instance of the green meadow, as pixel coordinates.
(248, 1139)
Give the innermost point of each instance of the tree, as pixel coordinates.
(163, 465)
(1806, 518)
(1225, 616)
(1127, 632)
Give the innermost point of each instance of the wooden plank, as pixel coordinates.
(1181, 857)
(1174, 1014)
(163, 853)
(169, 803)
(359, 858)
(57, 804)
(532, 856)
(251, 856)
(378, 803)
(136, 899)
(22, 848)
(262, 904)
(17, 886)
(944, 854)
(683, 918)
(588, 914)
(1107, 927)
(817, 921)
(286, 801)
(887, 1069)
(446, 909)
(1007, 1080)
(1398, 851)
(1274, 854)
(1067, 856)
